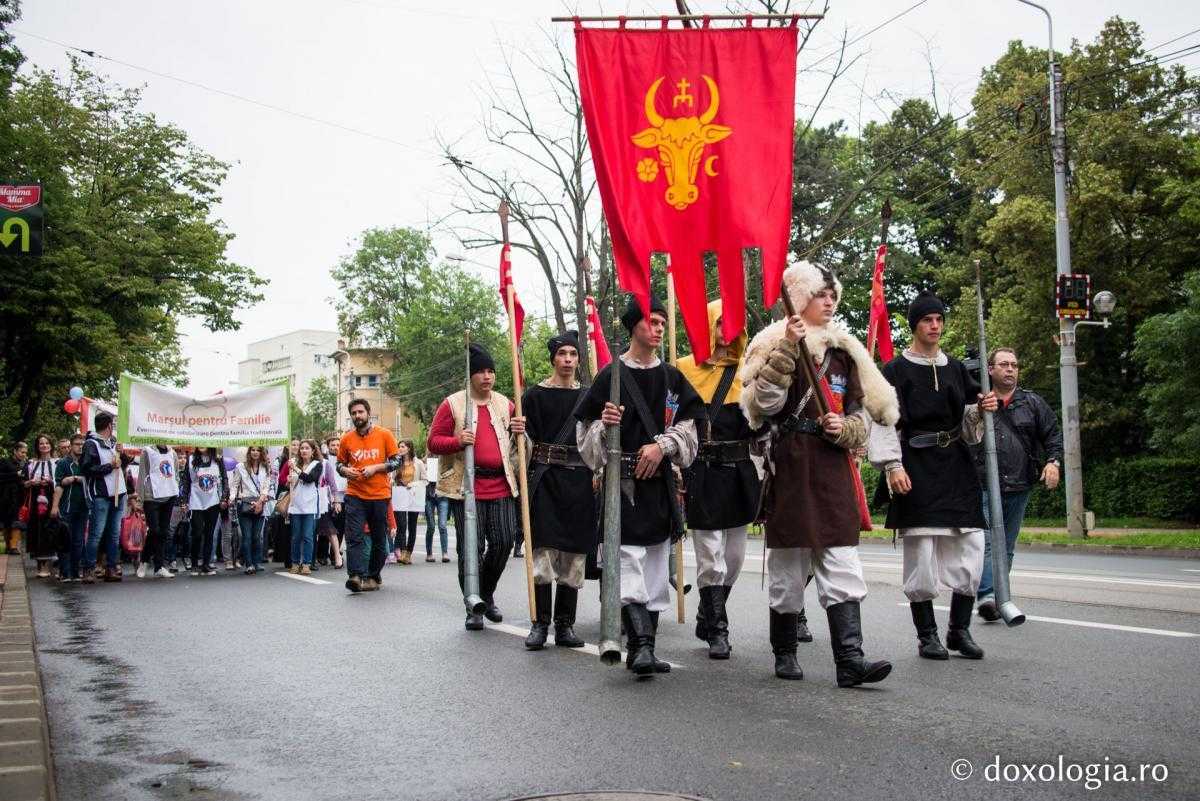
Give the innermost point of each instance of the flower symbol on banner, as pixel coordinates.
(647, 170)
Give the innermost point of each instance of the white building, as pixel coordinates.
(299, 356)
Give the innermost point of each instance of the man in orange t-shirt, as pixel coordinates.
(365, 457)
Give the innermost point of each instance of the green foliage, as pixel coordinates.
(393, 296)
(10, 56)
(130, 246)
(1167, 347)
(320, 414)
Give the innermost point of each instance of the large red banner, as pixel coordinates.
(691, 137)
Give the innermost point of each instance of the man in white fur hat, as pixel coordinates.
(815, 506)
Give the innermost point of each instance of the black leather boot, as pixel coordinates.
(701, 620)
(565, 599)
(802, 632)
(639, 627)
(541, 627)
(845, 632)
(659, 665)
(712, 601)
(783, 643)
(959, 637)
(929, 647)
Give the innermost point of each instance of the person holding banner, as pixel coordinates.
(561, 499)
(365, 456)
(658, 432)
(496, 427)
(159, 491)
(205, 493)
(814, 504)
(250, 489)
(723, 486)
(308, 469)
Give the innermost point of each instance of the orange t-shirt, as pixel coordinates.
(357, 451)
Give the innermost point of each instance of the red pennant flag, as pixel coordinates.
(691, 137)
(505, 282)
(596, 334)
(879, 328)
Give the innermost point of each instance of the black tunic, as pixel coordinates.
(647, 520)
(562, 507)
(945, 488)
(720, 495)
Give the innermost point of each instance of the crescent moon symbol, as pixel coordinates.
(708, 166)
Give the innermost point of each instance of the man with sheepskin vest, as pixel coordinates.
(494, 437)
(814, 506)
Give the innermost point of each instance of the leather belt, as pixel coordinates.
(489, 472)
(931, 439)
(799, 425)
(629, 465)
(723, 451)
(558, 455)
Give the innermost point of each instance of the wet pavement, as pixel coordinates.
(269, 687)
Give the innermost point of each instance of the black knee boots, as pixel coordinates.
(959, 637)
(783, 643)
(541, 627)
(564, 616)
(845, 634)
(712, 602)
(929, 646)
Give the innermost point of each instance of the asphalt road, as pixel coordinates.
(270, 687)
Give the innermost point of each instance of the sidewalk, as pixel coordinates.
(26, 771)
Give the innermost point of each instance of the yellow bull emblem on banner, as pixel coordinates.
(680, 142)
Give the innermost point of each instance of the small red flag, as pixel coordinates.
(596, 334)
(505, 282)
(879, 329)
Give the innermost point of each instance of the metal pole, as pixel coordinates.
(1008, 610)
(610, 588)
(471, 597)
(1067, 363)
(673, 354)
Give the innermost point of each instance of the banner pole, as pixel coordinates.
(522, 471)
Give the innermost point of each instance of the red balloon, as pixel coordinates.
(71, 406)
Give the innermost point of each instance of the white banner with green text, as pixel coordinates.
(151, 414)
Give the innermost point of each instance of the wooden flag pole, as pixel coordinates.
(885, 216)
(680, 601)
(522, 463)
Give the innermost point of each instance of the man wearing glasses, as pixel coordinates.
(1029, 444)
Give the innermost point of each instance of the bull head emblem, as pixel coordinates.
(680, 142)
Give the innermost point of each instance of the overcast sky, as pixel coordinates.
(400, 71)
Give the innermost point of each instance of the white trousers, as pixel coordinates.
(644, 575)
(719, 555)
(551, 564)
(933, 564)
(837, 572)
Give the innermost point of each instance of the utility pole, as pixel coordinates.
(1067, 364)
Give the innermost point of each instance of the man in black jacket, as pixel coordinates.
(103, 468)
(1029, 444)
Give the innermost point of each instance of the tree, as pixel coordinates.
(1166, 349)
(320, 414)
(395, 297)
(10, 55)
(131, 246)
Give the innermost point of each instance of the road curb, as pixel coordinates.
(1114, 550)
(26, 766)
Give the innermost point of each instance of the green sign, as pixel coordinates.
(21, 218)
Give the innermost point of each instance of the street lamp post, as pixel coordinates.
(1067, 363)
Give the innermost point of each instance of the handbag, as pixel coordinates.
(281, 504)
(133, 533)
(23, 512)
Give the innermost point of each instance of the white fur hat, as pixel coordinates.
(803, 279)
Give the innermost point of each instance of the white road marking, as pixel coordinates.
(1189, 570)
(1093, 625)
(1043, 576)
(588, 648)
(298, 577)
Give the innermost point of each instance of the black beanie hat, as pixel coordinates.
(480, 359)
(633, 312)
(568, 339)
(923, 304)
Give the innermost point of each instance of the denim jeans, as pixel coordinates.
(252, 526)
(304, 527)
(437, 510)
(106, 529)
(1013, 505)
(75, 521)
